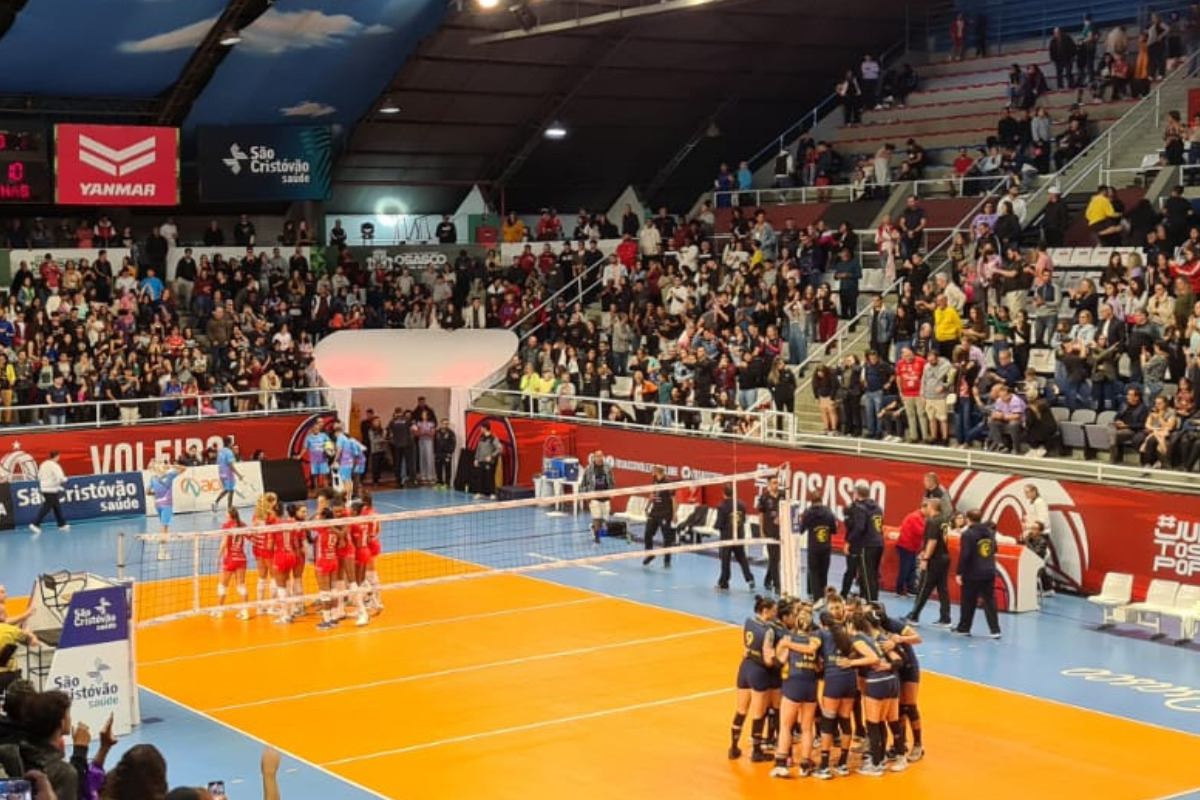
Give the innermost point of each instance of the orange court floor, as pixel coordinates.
(510, 686)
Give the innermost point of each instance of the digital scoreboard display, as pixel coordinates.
(24, 163)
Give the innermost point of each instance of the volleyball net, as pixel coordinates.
(178, 577)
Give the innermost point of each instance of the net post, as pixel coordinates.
(121, 556)
(196, 574)
(791, 581)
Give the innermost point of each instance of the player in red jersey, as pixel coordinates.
(232, 560)
(282, 561)
(325, 558)
(366, 557)
(300, 540)
(353, 537)
(262, 545)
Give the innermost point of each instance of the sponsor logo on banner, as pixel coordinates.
(92, 663)
(88, 497)
(102, 164)
(1177, 546)
(198, 488)
(132, 448)
(265, 163)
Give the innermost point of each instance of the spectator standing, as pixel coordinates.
(51, 480)
(487, 452)
(912, 227)
(958, 37)
(447, 232)
(908, 546)
(445, 445)
(244, 234)
(869, 73)
(1062, 55)
(977, 574)
(909, 370)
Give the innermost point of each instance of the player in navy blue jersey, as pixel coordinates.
(904, 638)
(797, 653)
(881, 700)
(840, 687)
(753, 678)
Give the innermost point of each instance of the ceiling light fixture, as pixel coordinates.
(389, 106)
(230, 37)
(555, 130)
(487, 5)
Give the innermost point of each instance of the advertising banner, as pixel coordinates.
(1094, 529)
(89, 497)
(131, 448)
(92, 663)
(416, 257)
(265, 163)
(129, 165)
(198, 488)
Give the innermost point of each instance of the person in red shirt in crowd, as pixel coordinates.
(1189, 270)
(549, 227)
(527, 260)
(627, 252)
(908, 547)
(962, 165)
(909, 370)
(547, 261)
(51, 273)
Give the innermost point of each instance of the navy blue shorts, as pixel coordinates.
(801, 690)
(910, 673)
(776, 678)
(883, 688)
(753, 675)
(840, 686)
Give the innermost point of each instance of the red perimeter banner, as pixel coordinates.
(130, 448)
(1095, 529)
(116, 164)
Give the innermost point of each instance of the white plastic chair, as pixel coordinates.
(1187, 611)
(635, 510)
(1149, 613)
(1115, 594)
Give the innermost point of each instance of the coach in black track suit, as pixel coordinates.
(864, 543)
(659, 517)
(977, 575)
(934, 564)
(819, 524)
(769, 506)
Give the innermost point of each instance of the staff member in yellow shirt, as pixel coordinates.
(11, 638)
(947, 326)
(1103, 219)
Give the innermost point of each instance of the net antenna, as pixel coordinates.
(439, 545)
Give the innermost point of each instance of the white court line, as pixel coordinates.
(472, 667)
(532, 726)
(312, 764)
(1185, 793)
(378, 629)
(592, 567)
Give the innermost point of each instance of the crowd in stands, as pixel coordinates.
(38, 740)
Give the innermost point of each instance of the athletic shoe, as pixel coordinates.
(35, 528)
(943, 623)
(646, 561)
(243, 615)
(781, 772)
(959, 632)
(870, 770)
(215, 613)
(734, 753)
(805, 770)
(750, 584)
(326, 625)
(899, 765)
(822, 773)
(362, 620)
(282, 620)
(995, 635)
(214, 508)
(721, 588)
(758, 756)
(916, 754)
(913, 621)
(65, 528)
(841, 769)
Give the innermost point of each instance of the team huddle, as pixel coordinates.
(343, 555)
(811, 681)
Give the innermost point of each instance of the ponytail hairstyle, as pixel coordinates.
(841, 639)
(293, 509)
(235, 517)
(763, 604)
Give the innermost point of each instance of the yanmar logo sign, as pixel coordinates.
(99, 164)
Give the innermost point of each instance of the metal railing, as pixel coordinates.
(834, 193)
(575, 285)
(172, 408)
(766, 425)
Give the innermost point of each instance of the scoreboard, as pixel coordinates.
(25, 175)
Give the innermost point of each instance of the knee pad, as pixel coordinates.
(828, 726)
(910, 710)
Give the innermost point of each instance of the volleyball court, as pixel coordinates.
(489, 674)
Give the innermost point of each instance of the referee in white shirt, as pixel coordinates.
(50, 482)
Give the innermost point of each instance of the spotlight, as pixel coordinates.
(555, 130)
(389, 106)
(525, 16)
(487, 5)
(230, 38)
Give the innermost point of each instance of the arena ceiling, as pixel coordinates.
(632, 80)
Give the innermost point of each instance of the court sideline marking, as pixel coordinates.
(470, 737)
(473, 667)
(379, 629)
(265, 743)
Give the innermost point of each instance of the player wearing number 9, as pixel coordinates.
(753, 678)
